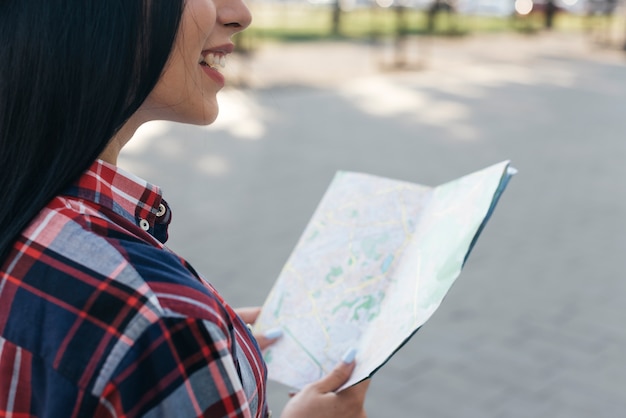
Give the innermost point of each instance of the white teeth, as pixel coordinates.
(214, 60)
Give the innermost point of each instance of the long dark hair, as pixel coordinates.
(72, 72)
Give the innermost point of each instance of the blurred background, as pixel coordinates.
(427, 91)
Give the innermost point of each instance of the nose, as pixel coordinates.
(234, 14)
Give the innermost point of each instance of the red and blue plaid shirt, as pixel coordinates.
(99, 319)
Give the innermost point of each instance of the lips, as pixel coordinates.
(210, 63)
(214, 74)
(212, 59)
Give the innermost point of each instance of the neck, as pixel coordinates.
(123, 136)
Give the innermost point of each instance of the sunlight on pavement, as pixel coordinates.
(383, 97)
(240, 115)
(379, 96)
(213, 165)
(412, 96)
(143, 137)
(447, 84)
(499, 74)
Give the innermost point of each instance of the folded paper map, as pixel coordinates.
(372, 266)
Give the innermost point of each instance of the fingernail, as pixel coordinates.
(272, 334)
(349, 356)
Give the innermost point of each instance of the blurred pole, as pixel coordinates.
(400, 60)
(336, 18)
(431, 16)
(624, 45)
(374, 32)
(550, 12)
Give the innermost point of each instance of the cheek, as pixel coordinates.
(181, 100)
(184, 93)
(170, 89)
(199, 17)
(197, 26)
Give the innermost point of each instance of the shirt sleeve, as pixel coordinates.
(179, 367)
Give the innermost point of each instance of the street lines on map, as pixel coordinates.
(279, 306)
(405, 221)
(364, 200)
(417, 286)
(333, 220)
(314, 312)
(370, 273)
(344, 290)
(303, 347)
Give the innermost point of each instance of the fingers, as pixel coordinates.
(339, 375)
(363, 385)
(249, 314)
(268, 338)
(320, 399)
(357, 392)
(360, 389)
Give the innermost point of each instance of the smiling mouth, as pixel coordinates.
(214, 61)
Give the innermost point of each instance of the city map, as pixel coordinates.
(373, 264)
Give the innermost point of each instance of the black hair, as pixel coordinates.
(72, 72)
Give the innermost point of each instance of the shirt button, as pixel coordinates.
(144, 224)
(161, 211)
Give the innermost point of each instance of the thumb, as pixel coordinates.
(339, 375)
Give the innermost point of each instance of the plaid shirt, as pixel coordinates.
(99, 319)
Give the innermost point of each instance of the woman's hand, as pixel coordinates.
(249, 316)
(319, 399)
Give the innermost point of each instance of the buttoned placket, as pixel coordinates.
(145, 225)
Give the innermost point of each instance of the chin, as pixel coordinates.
(207, 117)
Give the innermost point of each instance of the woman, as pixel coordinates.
(97, 317)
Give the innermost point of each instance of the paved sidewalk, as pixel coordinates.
(534, 325)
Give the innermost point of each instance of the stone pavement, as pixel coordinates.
(534, 325)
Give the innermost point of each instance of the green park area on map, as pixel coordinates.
(373, 264)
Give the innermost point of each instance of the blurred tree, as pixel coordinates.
(550, 12)
(336, 18)
(401, 35)
(433, 11)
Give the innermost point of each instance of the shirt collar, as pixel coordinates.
(125, 194)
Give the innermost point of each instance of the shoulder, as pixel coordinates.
(89, 292)
(78, 234)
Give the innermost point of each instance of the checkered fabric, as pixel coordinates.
(99, 319)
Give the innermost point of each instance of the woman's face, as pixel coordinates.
(186, 91)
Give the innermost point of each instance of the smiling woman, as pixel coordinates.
(97, 317)
(187, 90)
